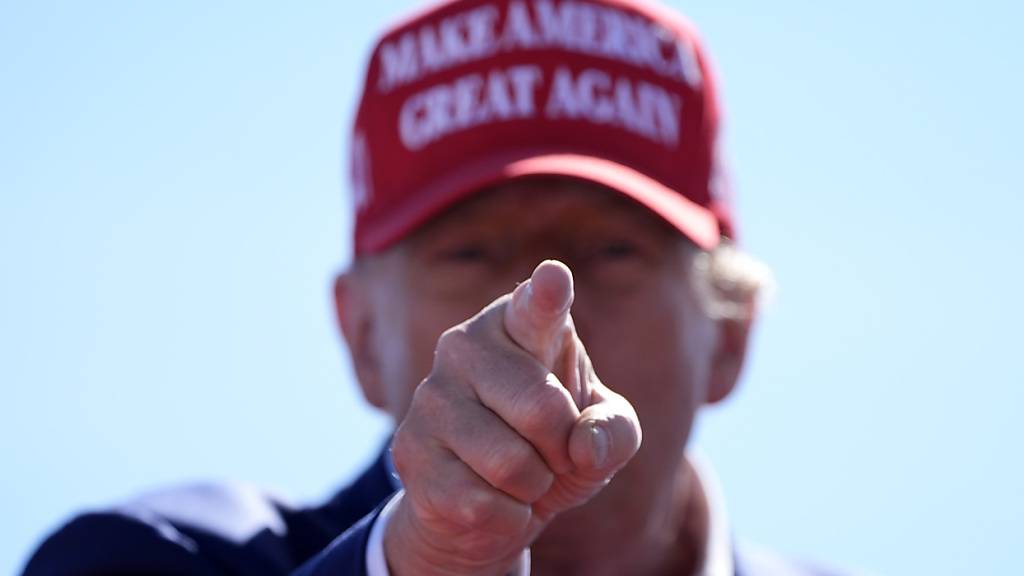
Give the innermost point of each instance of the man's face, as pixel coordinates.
(635, 308)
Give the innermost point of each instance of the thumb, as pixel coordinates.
(537, 316)
(605, 437)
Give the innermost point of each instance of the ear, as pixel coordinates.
(730, 356)
(355, 320)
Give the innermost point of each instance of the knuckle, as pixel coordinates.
(456, 341)
(505, 464)
(404, 447)
(429, 399)
(543, 406)
(475, 509)
(487, 513)
(456, 349)
(516, 469)
(452, 338)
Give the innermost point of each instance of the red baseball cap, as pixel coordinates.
(470, 93)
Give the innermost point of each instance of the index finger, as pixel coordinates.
(537, 316)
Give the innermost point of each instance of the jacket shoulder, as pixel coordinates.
(198, 529)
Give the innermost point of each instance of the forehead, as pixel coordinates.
(544, 203)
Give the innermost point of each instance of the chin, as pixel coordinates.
(625, 506)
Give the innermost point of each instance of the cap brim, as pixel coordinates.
(696, 222)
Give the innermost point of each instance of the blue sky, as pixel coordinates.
(172, 210)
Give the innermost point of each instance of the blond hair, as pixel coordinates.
(730, 283)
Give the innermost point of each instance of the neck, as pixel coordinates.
(663, 533)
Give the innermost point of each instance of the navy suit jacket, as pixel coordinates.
(217, 530)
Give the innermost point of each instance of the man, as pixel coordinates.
(544, 293)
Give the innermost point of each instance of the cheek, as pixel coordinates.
(652, 351)
(395, 352)
(407, 341)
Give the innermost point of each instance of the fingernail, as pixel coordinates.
(599, 444)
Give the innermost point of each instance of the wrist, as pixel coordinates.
(409, 551)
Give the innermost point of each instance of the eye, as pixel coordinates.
(616, 250)
(466, 253)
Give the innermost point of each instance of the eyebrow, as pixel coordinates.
(472, 204)
(462, 215)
